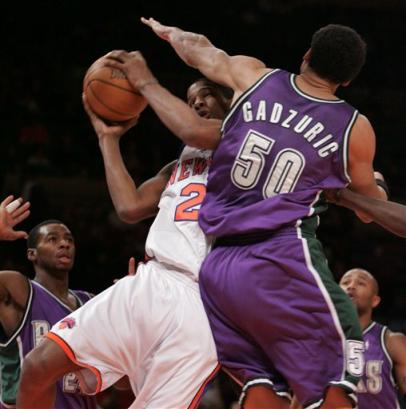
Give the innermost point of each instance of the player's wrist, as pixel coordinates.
(143, 86)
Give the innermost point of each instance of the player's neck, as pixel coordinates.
(57, 284)
(310, 83)
(365, 319)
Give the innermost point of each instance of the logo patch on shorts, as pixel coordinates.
(67, 323)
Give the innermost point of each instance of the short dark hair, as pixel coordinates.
(225, 91)
(337, 53)
(32, 240)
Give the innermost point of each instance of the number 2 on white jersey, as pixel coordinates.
(188, 210)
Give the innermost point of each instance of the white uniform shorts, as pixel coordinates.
(151, 327)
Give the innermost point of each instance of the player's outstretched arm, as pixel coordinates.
(237, 72)
(390, 215)
(176, 115)
(132, 203)
(13, 212)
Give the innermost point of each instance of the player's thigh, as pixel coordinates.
(109, 335)
(185, 360)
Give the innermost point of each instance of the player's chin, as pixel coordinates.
(64, 264)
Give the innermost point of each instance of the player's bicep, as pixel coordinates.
(150, 192)
(14, 286)
(245, 71)
(236, 72)
(396, 344)
(361, 156)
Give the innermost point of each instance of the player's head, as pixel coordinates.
(209, 99)
(362, 288)
(51, 247)
(337, 54)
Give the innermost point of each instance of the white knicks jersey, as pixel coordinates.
(175, 238)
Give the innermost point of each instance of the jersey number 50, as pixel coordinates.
(250, 162)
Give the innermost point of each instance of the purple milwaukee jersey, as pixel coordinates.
(280, 149)
(43, 310)
(377, 388)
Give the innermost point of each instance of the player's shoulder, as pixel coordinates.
(83, 295)
(12, 278)
(14, 285)
(395, 336)
(396, 344)
(362, 125)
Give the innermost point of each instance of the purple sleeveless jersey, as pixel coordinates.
(280, 149)
(377, 389)
(43, 310)
(295, 327)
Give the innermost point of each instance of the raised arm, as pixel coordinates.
(12, 212)
(132, 203)
(175, 114)
(361, 156)
(237, 72)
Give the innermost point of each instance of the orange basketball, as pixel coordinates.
(110, 95)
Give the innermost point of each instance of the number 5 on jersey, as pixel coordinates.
(188, 210)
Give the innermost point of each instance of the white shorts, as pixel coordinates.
(151, 327)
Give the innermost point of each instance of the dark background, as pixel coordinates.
(50, 153)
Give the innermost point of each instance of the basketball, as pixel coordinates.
(110, 95)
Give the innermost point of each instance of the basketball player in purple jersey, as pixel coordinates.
(278, 318)
(28, 309)
(385, 351)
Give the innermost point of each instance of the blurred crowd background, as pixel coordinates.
(50, 153)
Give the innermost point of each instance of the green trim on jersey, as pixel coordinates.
(10, 367)
(346, 312)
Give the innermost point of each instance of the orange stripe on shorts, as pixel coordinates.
(71, 355)
(199, 393)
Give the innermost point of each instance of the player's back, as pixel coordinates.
(175, 238)
(376, 389)
(280, 149)
(43, 310)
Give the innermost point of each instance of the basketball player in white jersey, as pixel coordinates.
(151, 326)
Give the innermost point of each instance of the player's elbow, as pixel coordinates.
(128, 214)
(134, 213)
(363, 217)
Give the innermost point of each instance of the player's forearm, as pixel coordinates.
(390, 215)
(189, 45)
(179, 118)
(122, 188)
(198, 52)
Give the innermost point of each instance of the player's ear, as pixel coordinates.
(376, 301)
(32, 254)
(306, 57)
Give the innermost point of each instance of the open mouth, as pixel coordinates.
(204, 114)
(64, 258)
